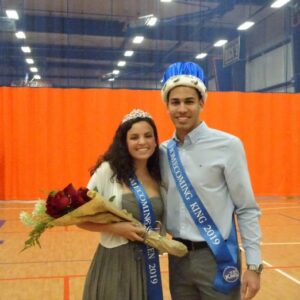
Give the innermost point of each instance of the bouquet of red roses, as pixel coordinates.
(71, 207)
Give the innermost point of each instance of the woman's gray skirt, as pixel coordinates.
(117, 274)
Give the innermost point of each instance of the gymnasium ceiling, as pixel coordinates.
(77, 43)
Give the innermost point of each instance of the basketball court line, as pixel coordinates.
(1, 224)
(51, 277)
(19, 201)
(282, 272)
(266, 200)
(261, 206)
(66, 288)
(16, 208)
(283, 267)
(162, 256)
(41, 277)
(293, 218)
(268, 205)
(281, 207)
(45, 262)
(280, 243)
(270, 266)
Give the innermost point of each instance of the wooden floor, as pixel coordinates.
(57, 271)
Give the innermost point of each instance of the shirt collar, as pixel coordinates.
(194, 135)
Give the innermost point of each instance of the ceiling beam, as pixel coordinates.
(112, 28)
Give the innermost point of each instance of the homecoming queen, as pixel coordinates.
(123, 267)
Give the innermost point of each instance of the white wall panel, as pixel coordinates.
(272, 68)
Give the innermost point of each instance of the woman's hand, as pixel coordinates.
(128, 230)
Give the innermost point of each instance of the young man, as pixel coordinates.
(206, 184)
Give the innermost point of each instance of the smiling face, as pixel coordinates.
(140, 141)
(184, 106)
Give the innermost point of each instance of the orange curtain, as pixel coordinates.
(51, 137)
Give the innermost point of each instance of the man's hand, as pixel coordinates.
(250, 285)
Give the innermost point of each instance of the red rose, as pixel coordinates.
(83, 193)
(62, 202)
(78, 198)
(57, 204)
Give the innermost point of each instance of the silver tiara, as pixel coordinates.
(136, 113)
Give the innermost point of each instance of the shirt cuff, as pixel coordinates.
(253, 257)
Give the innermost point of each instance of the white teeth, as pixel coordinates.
(182, 118)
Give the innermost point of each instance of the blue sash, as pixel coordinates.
(225, 252)
(154, 286)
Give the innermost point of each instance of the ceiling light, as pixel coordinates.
(138, 39)
(12, 14)
(279, 3)
(111, 79)
(146, 16)
(26, 49)
(116, 72)
(34, 70)
(220, 43)
(37, 77)
(30, 61)
(128, 53)
(246, 25)
(151, 21)
(121, 63)
(20, 35)
(201, 55)
(165, 1)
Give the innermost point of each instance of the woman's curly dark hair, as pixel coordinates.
(119, 158)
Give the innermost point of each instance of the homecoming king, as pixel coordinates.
(206, 189)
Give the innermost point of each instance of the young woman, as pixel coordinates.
(123, 267)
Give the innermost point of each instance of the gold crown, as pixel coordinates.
(136, 113)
